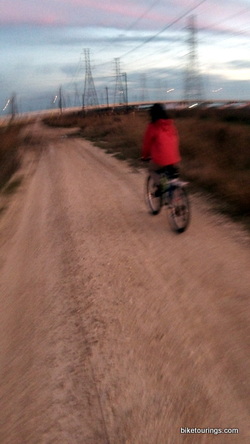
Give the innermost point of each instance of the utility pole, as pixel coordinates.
(126, 87)
(193, 87)
(13, 105)
(60, 100)
(90, 95)
(107, 96)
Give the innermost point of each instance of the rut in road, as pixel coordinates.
(113, 328)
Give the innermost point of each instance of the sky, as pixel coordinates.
(151, 47)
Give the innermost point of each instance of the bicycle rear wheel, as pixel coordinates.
(178, 209)
(153, 196)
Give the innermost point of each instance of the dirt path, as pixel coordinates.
(114, 330)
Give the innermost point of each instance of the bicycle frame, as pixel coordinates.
(174, 197)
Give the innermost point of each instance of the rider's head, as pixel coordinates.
(158, 112)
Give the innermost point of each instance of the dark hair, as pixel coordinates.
(158, 112)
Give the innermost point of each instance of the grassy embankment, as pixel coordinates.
(214, 147)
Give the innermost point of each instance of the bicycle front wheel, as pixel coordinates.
(153, 196)
(179, 209)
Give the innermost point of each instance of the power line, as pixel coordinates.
(244, 11)
(210, 28)
(116, 39)
(165, 28)
(163, 50)
(143, 15)
(161, 31)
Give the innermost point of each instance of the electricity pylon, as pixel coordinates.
(193, 85)
(90, 96)
(120, 91)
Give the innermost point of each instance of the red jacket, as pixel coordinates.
(161, 143)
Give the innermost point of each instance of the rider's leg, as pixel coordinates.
(153, 168)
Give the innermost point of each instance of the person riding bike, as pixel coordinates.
(161, 144)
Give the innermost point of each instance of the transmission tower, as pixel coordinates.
(144, 90)
(120, 91)
(90, 96)
(193, 86)
(77, 101)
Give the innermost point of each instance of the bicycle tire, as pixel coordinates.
(154, 202)
(178, 209)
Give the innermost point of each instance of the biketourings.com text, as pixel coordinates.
(209, 431)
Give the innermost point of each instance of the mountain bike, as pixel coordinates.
(171, 193)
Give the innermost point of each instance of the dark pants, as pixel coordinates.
(171, 170)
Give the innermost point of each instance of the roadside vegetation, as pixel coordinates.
(215, 148)
(10, 157)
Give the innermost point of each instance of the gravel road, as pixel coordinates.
(113, 329)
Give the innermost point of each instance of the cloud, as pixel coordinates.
(30, 12)
(41, 58)
(71, 12)
(239, 64)
(69, 69)
(114, 13)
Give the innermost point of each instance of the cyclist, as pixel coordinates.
(161, 144)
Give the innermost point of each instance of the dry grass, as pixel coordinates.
(119, 134)
(216, 158)
(10, 158)
(64, 120)
(215, 152)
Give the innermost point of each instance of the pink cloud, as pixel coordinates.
(113, 13)
(28, 12)
(86, 12)
(112, 8)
